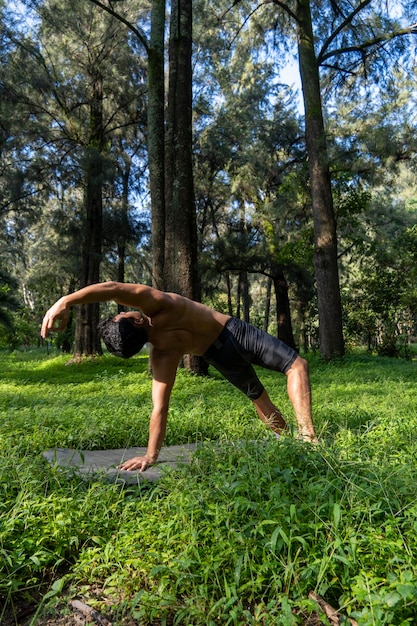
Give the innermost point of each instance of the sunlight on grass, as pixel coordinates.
(242, 534)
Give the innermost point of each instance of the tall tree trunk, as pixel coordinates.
(284, 326)
(267, 303)
(87, 341)
(180, 222)
(238, 296)
(180, 271)
(156, 139)
(325, 238)
(123, 228)
(229, 293)
(244, 290)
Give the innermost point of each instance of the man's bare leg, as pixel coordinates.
(299, 392)
(269, 413)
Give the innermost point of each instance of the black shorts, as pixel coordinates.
(240, 345)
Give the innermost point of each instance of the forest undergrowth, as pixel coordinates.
(244, 533)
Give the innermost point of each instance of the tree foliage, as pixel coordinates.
(258, 237)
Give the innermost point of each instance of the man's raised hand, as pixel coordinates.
(59, 312)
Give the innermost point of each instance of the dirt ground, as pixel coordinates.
(23, 614)
(78, 612)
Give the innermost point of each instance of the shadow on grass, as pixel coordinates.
(61, 369)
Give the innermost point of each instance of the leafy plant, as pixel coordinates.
(242, 534)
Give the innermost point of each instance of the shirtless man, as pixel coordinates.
(175, 326)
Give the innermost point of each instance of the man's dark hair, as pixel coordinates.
(122, 338)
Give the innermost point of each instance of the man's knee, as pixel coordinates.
(299, 366)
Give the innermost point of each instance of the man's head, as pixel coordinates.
(125, 334)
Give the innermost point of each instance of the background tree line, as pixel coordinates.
(159, 142)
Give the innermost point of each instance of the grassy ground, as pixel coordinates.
(239, 537)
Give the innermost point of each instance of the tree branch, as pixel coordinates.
(285, 8)
(247, 18)
(339, 29)
(136, 31)
(384, 38)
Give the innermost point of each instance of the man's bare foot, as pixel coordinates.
(307, 437)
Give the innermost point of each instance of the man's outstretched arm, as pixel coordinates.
(140, 296)
(164, 371)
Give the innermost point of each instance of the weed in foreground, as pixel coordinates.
(240, 536)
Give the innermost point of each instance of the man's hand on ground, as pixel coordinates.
(140, 463)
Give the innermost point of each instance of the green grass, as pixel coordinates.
(242, 534)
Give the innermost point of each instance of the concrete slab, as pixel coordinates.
(104, 463)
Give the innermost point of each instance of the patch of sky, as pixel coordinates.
(25, 18)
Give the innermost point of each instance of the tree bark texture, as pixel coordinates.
(156, 140)
(284, 325)
(325, 238)
(267, 304)
(123, 229)
(244, 295)
(87, 341)
(180, 219)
